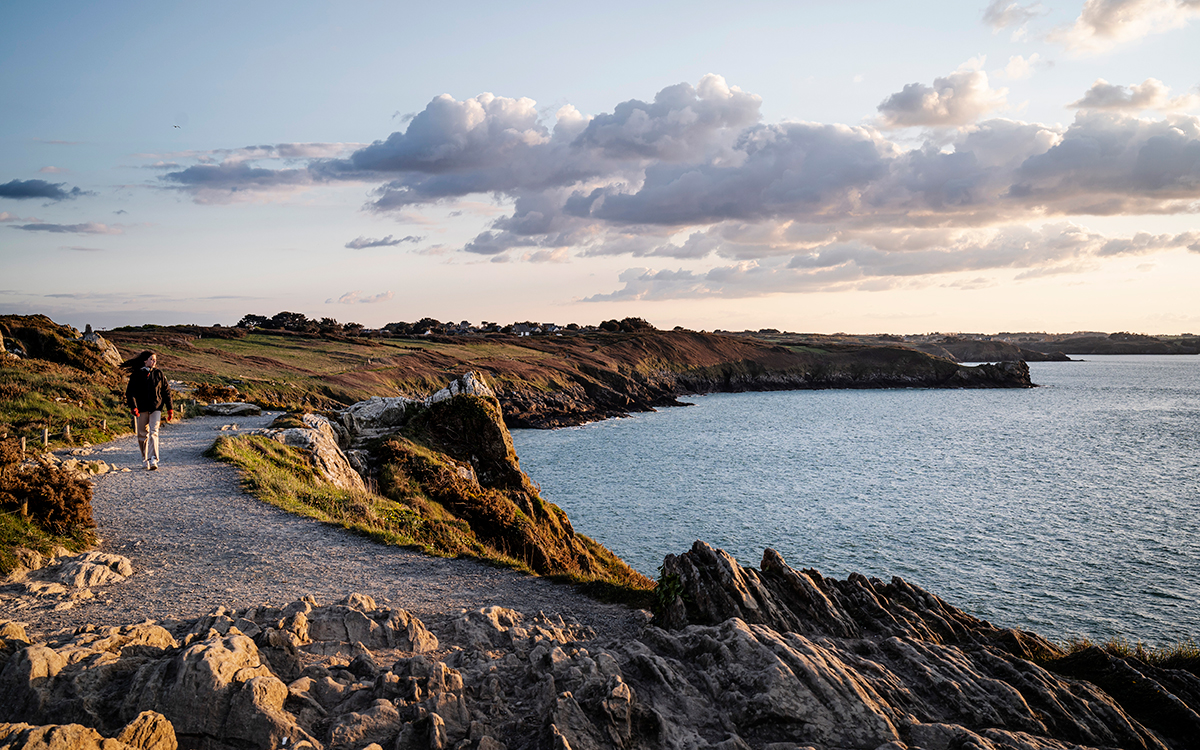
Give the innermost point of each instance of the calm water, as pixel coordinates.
(1071, 509)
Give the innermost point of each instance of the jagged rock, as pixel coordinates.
(854, 665)
(95, 569)
(318, 441)
(376, 415)
(470, 383)
(55, 737)
(149, 731)
(373, 628)
(107, 350)
(233, 409)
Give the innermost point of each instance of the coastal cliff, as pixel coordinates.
(611, 376)
(543, 381)
(738, 659)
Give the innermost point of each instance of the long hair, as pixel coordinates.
(137, 361)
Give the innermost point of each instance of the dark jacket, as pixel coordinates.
(148, 391)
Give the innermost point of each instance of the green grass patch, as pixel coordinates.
(16, 531)
(281, 475)
(425, 502)
(37, 394)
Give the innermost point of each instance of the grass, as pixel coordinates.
(280, 475)
(36, 394)
(1182, 655)
(410, 516)
(16, 531)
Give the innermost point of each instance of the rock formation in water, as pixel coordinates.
(771, 659)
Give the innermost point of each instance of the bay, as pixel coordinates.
(1072, 509)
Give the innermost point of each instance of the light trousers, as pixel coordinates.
(147, 432)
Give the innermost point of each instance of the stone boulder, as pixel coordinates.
(318, 440)
(470, 383)
(60, 582)
(94, 569)
(233, 409)
(149, 731)
(827, 665)
(107, 350)
(376, 416)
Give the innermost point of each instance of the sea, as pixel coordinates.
(1071, 509)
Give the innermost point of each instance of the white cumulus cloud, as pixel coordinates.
(1150, 94)
(1105, 24)
(957, 99)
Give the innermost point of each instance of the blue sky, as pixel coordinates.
(854, 166)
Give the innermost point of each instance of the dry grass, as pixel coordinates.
(1183, 655)
(426, 503)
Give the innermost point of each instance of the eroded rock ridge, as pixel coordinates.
(775, 658)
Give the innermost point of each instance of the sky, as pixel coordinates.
(864, 167)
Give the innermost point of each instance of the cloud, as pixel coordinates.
(32, 189)
(495, 144)
(221, 183)
(53, 170)
(356, 297)
(1000, 14)
(1105, 24)
(6, 217)
(957, 99)
(365, 242)
(695, 172)
(119, 297)
(90, 227)
(868, 264)
(81, 249)
(1150, 94)
(1020, 67)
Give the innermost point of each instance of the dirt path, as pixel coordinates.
(197, 541)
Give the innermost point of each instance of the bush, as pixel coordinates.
(214, 392)
(55, 500)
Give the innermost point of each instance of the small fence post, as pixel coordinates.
(22, 445)
(104, 425)
(45, 436)
(66, 433)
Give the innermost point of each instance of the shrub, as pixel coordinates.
(213, 392)
(55, 500)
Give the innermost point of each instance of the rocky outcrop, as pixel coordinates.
(108, 352)
(319, 442)
(61, 582)
(233, 409)
(642, 372)
(149, 731)
(768, 659)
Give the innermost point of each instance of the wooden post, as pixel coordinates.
(66, 433)
(104, 424)
(45, 436)
(22, 445)
(25, 509)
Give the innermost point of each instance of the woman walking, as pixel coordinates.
(147, 395)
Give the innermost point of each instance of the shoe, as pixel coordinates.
(154, 466)
(146, 465)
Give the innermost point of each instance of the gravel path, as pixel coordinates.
(197, 541)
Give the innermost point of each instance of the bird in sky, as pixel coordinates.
(176, 126)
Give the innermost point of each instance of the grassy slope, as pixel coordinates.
(63, 382)
(424, 503)
(301, 371)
